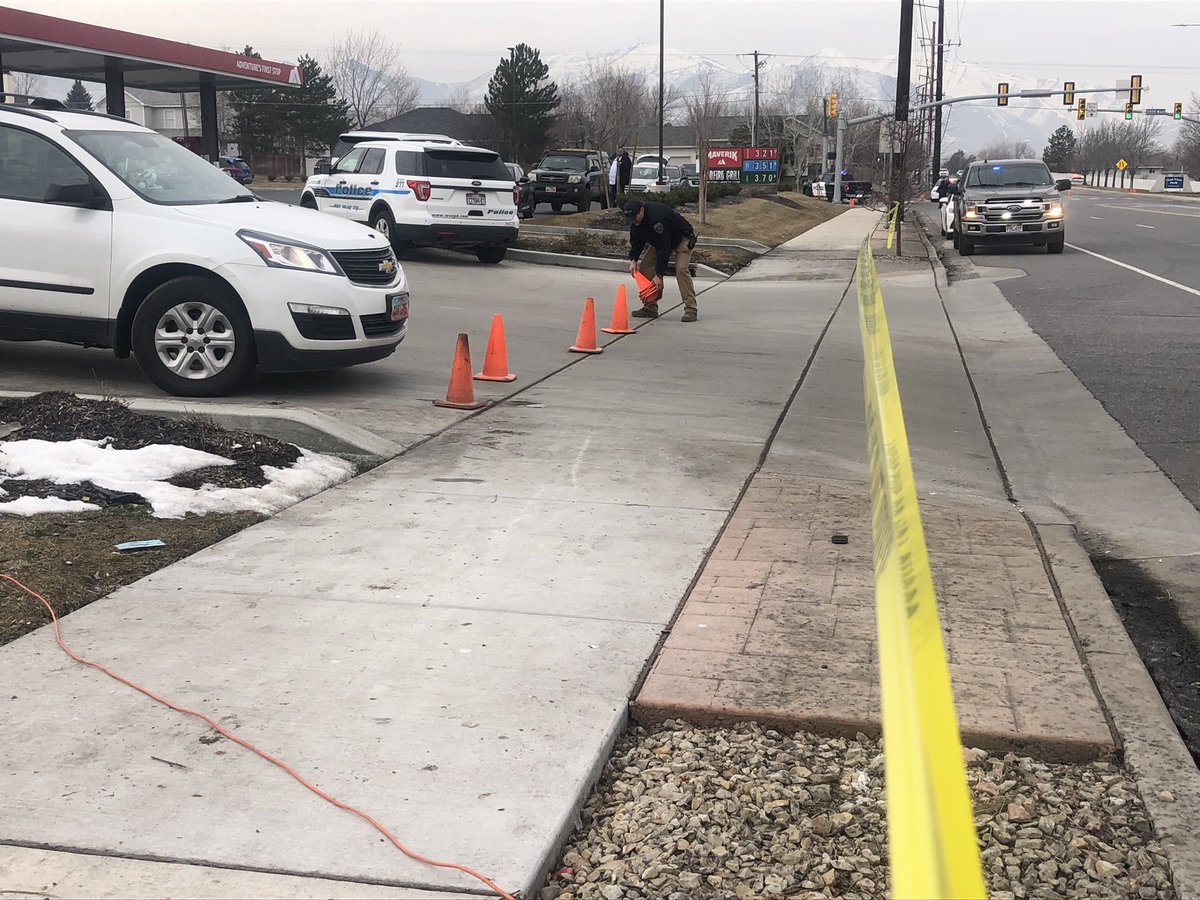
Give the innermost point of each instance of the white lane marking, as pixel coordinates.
(1097, 218)
(1140, 225)
(1149, 209)
(1117, 262)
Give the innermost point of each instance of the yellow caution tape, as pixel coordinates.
(892, 223)
(932, 847)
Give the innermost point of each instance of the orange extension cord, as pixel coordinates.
(237, 740)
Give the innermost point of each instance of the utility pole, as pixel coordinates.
(937, 110)
(754, 121)
(903, 76)
(662, 22)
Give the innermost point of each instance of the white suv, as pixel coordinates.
(112, 235)
(422, 190)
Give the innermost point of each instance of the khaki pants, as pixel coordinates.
(683, 276)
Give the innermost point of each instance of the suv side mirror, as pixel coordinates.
(82, 194)
(1063, 184)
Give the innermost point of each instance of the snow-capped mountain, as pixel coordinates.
(970, 126)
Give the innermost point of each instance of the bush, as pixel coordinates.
(270, 178)
(684, 195)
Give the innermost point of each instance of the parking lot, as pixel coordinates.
(451, 293)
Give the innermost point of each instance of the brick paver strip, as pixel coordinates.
(780, 627)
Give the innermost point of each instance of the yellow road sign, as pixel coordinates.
(1122, 165)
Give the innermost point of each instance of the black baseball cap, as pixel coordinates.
(631, 208)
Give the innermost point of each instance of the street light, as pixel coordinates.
(662, 21)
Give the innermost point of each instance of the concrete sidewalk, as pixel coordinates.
(449, 641)
(780, 627)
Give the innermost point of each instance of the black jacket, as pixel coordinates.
(663, 228)
(624, 170)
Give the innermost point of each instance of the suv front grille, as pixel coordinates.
(553, 178)
(368, 267)
(379, 325)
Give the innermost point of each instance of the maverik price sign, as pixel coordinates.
(724, 164)
(760, 165)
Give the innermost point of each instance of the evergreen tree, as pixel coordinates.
(1059, 154)
(79, 97)
(522, 102)
(255, 118)
(959, 161)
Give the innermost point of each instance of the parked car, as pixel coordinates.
(525, 201)
(236, 168)
(822, 187)
(168, 259)
(946, 214)
(644, 175)
(1009, 201)
(422, 191)
(577, 177)
(691, 174)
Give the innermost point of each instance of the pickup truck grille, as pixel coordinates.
(996, 212)
(368, 267)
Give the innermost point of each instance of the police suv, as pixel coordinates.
(112, 235)
(422, 190)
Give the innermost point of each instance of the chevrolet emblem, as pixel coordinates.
(387, 267)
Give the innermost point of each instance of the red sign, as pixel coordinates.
(760, 153)
(725, 158)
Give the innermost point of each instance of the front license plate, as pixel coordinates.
(551, 190)
(1014, 228)
(474, 199)
(397, 307)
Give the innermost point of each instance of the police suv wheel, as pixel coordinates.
(384, 222)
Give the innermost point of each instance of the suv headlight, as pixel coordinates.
(574, 179)
(532, 176)
(284, 254)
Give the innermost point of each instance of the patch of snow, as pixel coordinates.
(32, 506)
(144, 471)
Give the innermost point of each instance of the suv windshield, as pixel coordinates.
(477, 165)
(1012, 175)
(645, 172)
(564, 164)
(159, 169)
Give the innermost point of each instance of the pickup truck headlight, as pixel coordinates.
(1055, 211)
(574, 179)
(970, 213)
(283, 254)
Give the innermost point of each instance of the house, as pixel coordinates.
(164, 113)
(477, 129)
(680, 145)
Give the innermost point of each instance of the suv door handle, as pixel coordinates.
(343, 181)
(374, 182)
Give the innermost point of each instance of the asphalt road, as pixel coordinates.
(1130, 336)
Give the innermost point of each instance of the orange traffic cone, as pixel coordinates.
(461, 392)
(585, 341)
(647, 292)
(620, 319)
(495, 361)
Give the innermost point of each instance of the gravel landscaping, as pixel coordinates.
(683, 812)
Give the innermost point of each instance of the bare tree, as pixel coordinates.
(605, 106)
(26, 83)
(704, 107)
(370, 77)
(1001, 149)
(1187, 148)
(460, 101)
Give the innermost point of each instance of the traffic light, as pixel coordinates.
(1002, 90)
(1129, 109)
(1069, 96)
(1081, 112)
(1135, 90)
(831, 109)
(1178, 111)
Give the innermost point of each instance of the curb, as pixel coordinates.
(302, 426)
(1153, 750)
(752, 246)
(940, 278)
(545, 258)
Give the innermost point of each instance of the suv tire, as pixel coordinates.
(1056, 246)
(180, 306)
(584, 204)
(491, 254)
(384, 222)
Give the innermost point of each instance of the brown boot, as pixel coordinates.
(649, 311)
(689, 315)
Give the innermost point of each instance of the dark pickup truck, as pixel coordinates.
(822, 186)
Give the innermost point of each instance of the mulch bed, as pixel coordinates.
(60, 416)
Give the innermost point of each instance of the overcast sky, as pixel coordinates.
(454, 40)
